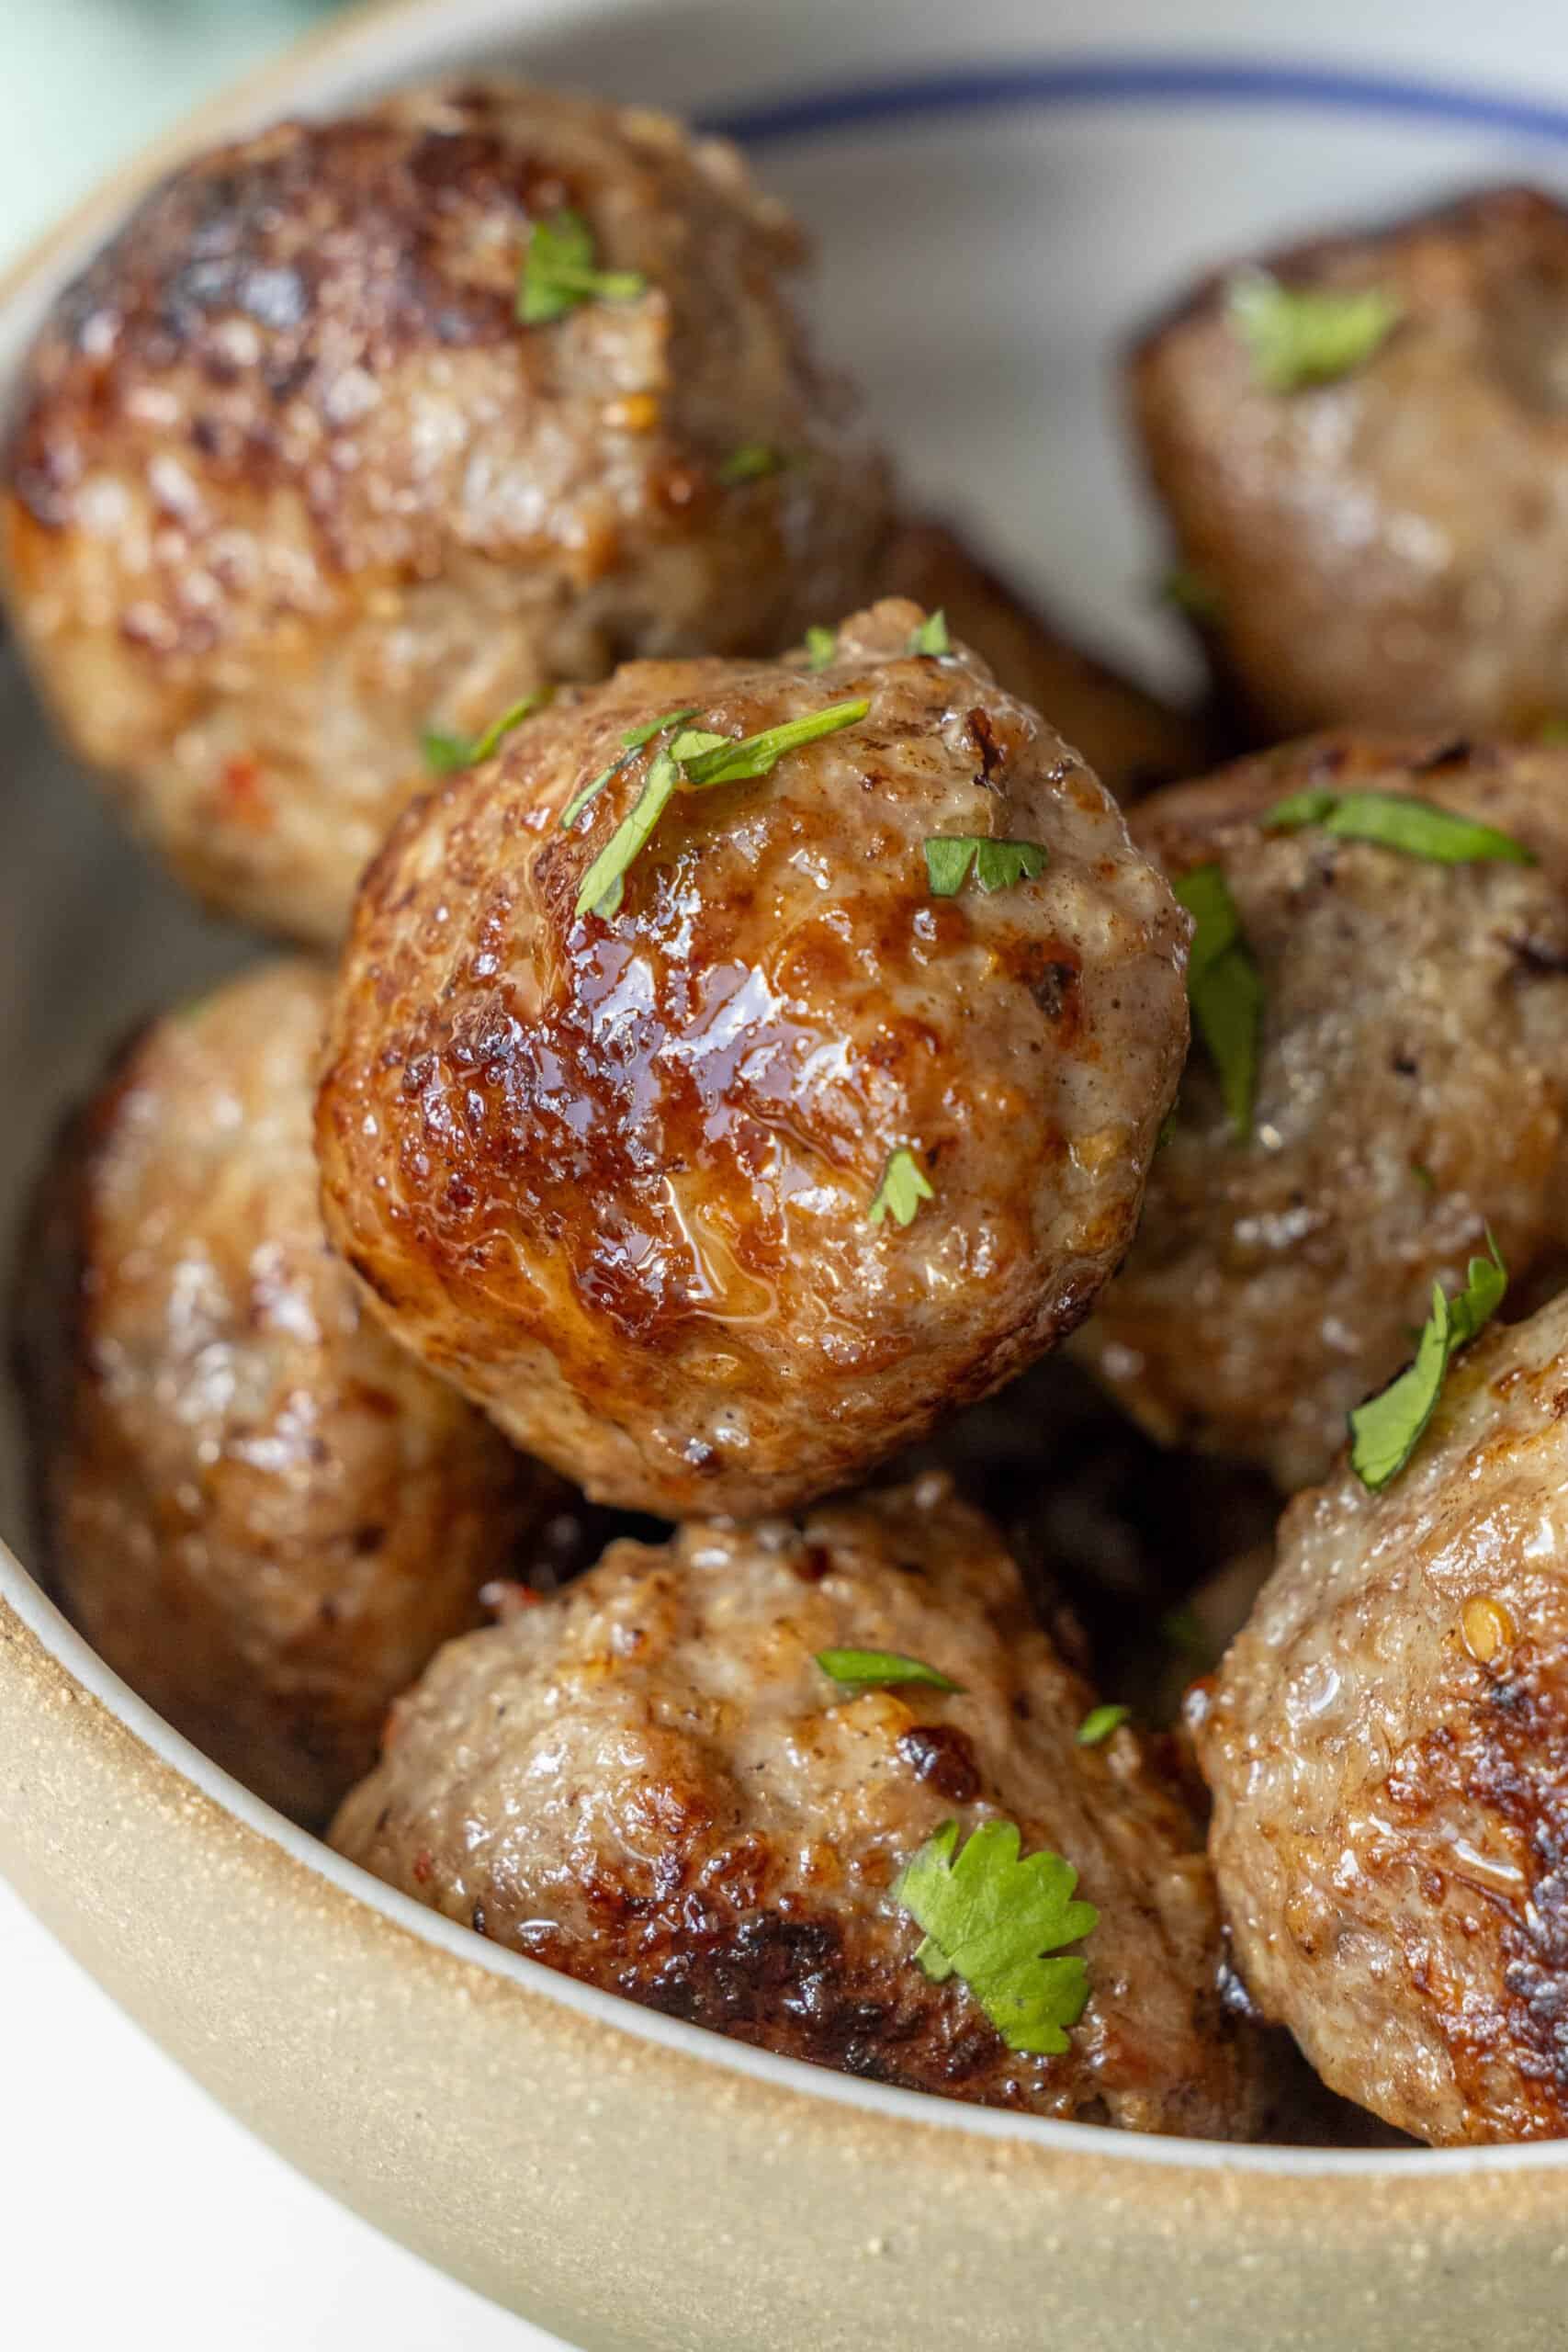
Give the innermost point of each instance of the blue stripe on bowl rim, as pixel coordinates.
(1131, 80)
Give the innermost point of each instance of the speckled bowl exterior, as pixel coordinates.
(628, 2182)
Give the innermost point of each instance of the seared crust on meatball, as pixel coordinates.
(614, 1174)
(651, 1783)
(289, 482)
(1412, 1090)
(1389, 547)
(1129, 738)
(260, 1511)
(1387, 1743)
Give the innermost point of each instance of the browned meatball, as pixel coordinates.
(1390, 546)
(1387, 1743)
(622, 1176)
(289, 482)
(649, 1782)
(1131, 740)
(1412, 1088)
(258, 1510)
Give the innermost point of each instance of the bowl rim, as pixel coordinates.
(359, 39)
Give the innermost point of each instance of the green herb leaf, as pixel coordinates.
(1398, 820)
(989, 1918)
(602, 883)
(730, 762)
(1386, 1429)
(559, 270)
(636, 737)
(1309, 334)
(1189, 592)
(633, 739)
(1224, 990)
(1098, 1724)
(1552, 730)
(445, 754)
(998, 863)
(821, 645)
(877, 1670)
(902, 1188)
(753, 461)
(931, 637)
(1423, 1175)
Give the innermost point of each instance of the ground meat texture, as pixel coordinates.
(1129, 738)
(260, 1512)
(1391, 548)
(651, 1783)
(614, 1175)
(1387, 1743)
(1412, 1090)
(288, 483)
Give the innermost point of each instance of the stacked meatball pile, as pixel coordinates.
(512, 1384)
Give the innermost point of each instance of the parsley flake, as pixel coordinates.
(634, 739)
(729, 762)
(560, 270)
(604, 881)
(989, 1920)
(821, 645)
(903, 1186)
(1224, 990)
(931, 637)
(998, 865)
(753, 461)
(445, 754)
(1300, 336)
(1398, 820)
(1386, 1429)
(879, 1669)
(1098, 1724)
(1189, 592)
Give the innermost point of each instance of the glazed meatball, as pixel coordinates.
(290, 481)
(1412, 1088)
(259, 1510)
(1388, 546)
(717, 1194)
(650, 1783)
(1387, 1743)
(1129, 738)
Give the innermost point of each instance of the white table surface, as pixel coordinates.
(133, 2212)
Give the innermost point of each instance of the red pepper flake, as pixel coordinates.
(242, 793)
(423, 1865)
(505, 1598)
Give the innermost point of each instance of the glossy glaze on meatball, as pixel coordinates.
(1128, 736)
(1412, 1090)
(260, 1511)
(617, 1175)
(1388, 547)
(651, 1783)
(1387, 1743)
(290, 482)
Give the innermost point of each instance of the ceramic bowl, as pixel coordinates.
(1000, 190)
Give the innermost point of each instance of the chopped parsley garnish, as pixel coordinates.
(1552, 730)
(1224, 990)
(821, 645)
(1189, 592)
(1098, 1724)
(998, 863)
(753, 461)
(445, 754)
(990, 1918)
(1386, 1429)
(903, 1187)
(1300, 335)
(878, 1669)
(931, 637)
(560, 270)
(633, 739)
(698, 761)
(1423, 1175)
(1398, 820)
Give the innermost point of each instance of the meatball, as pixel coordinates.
(1412, 1088)
(262, 1512)
(1387, 1743)
(649, 1782)
(290, 481)
(1388, 547)
(1131, 740)
(640, 1179)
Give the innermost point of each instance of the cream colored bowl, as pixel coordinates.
(626, 2181)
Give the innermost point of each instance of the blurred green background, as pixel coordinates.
(86, 82)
